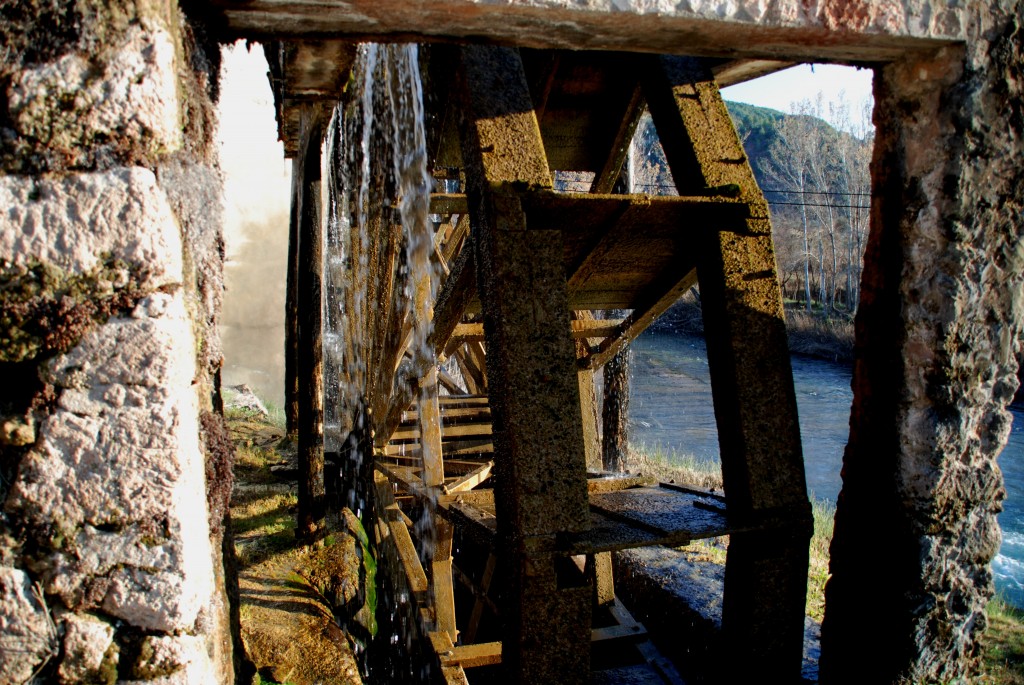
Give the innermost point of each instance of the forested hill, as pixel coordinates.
(758, 129)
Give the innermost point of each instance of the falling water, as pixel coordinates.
(380, 274)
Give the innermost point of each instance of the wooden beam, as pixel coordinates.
(581, 329)
(635, 632)
(441, 575)
(447, 204)
(429, 420)
(447, 432)
(470, 480)
(449, 383)
(649, 309)
(604, 181)
(311, 505)
(473, 656)
(453, 674)
(456, 239)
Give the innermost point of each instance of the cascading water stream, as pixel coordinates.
(380, 273)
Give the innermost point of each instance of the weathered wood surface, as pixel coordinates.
(751, 378)
(309, 367)
(541, 475)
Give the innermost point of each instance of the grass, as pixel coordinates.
(262, 508)
(819, 335)
(1004, 645)
(1003, 641)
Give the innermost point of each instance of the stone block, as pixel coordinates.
(125, 98)
(27, 635)
(173, 660)
(88, 657)
(118, 472)
(78, 221)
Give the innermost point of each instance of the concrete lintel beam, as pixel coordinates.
(788, 30)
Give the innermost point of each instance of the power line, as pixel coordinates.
(653, 186)
(813, 192)
(813, 204)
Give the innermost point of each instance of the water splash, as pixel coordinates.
(381, 275)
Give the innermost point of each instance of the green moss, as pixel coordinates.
(45, 310)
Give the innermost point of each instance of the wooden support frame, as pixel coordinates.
(605, 179)
(762, 464)
(656, 303)
(523, 292)
(311, 490)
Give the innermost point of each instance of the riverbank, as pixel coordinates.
(1003, 640)
(813, 334)
(298, 605)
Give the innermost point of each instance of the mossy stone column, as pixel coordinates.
(936, 360)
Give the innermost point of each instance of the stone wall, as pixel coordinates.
(937, 336)
(113, 468)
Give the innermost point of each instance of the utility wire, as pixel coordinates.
(813, 192)
(814, 204)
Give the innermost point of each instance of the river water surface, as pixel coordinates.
(671, 409)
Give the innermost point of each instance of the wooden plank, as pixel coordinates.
(633, 633)
(406, 476)
(470, 480)
(476, 356)
(451, 412)
(429, 420)
(456, 240)
(448, 383)
(473, 656)
(449, 400)
(447, 204)
(604, 181)
(453, 674)
(646, 312)
(448, 432)
(616, 481)
(441, 575)
(472, 374)
(415, 576)
(581, 329)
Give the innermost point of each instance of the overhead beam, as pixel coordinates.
(743, 31)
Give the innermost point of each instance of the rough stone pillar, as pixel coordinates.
(937, 334)
(541, 458)
(115, 470)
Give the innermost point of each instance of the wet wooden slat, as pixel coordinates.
(470, 480)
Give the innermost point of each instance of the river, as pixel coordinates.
(671, 409)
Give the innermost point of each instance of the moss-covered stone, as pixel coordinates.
(44, 310)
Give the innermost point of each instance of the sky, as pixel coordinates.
(803, 82)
